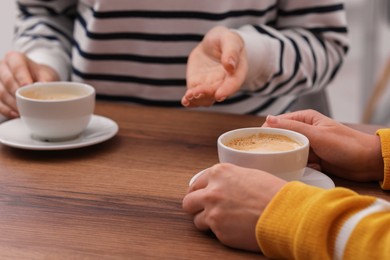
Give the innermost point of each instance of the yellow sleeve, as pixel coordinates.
(384, 134)
(305, 222)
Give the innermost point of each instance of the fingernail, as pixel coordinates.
(221, 99)
(232, 63)
(14, 114)
(185, 103)
(199, 96)
(272, 119)
(25, 81)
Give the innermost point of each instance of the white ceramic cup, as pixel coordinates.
(289, 165)
(56, 111)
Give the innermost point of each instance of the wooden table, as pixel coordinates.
(120, 199)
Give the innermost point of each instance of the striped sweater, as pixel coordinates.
(327, 224)
(137, 51)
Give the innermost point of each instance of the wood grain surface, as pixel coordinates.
(120, 199)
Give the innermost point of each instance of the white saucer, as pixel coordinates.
(315, 178)
(310, 177)
(15, 134)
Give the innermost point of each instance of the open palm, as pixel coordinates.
(216, 68)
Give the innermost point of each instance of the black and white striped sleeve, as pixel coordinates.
(300, 52)
(44, 32)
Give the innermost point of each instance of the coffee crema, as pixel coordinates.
(264, 143)
(49, 96)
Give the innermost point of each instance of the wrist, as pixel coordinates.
(262, 57)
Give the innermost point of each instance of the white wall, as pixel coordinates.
(369, 35)
(7, 20)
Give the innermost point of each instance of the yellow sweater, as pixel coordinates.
(305, 222)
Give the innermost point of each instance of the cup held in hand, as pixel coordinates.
(56, 111)
(281, 152)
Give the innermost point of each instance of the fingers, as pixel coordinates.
(233, 59)
(200, 181)
(191, 96)
(43, 73)
(8, 87)
(200, 221)
(8, 112)
(19, 67)
(229, 87)
(198, 101)
(231, 47)
(14, 72)
(7, 79)
(199, 95)
(193, 202)
(18, 70)
(289, 124)
(185, 101)
(304, 116)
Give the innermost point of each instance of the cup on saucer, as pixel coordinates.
(56, 111)
(281, 152)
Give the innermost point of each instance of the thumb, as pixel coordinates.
(297, 126)
(42, 73)
(45, 73)
(231, 48)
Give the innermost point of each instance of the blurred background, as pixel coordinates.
(353, 88)
(367, 66)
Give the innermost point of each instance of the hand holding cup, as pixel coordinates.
(56, 111)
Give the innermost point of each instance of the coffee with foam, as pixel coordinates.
(40, 95)
(281, 152)
(263, 142)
